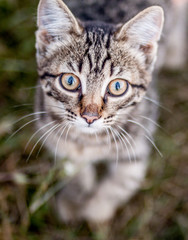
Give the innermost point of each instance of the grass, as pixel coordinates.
(158, 211)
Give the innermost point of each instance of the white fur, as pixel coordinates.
(52, 18)
(145, 28)
(55, 17)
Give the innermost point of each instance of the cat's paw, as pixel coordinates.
(98, 210)
(65, 211)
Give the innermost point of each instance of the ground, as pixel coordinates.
(158, 211)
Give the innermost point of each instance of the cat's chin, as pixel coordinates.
(89, 129)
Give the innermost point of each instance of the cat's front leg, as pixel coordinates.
(114, 190)
(72, 197)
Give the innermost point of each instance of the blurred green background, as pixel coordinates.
(158, 211)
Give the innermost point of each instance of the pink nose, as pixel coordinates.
(90, 113)
(90, 119)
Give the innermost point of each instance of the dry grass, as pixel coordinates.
(158, 211)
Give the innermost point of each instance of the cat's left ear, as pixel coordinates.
(54, 19)
(144, 30)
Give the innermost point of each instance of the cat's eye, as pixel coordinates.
(69, 81)
(118, 87)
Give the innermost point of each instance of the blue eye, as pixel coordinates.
(117, 87)
(69, 81)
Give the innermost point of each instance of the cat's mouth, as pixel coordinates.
(90, 128)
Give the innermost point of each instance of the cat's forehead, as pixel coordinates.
(95, 40)
(99, 28)
(94, 50)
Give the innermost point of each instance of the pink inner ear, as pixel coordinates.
(147, 48)
(45, 36)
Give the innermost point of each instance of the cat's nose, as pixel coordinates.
(90, 119)
(90, 113)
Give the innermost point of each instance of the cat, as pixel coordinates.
(96, 97)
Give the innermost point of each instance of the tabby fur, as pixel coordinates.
(105, 41)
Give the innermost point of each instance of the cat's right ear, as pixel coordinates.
(143, 32)
(55, 20)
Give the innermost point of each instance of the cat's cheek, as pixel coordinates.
(139, 96)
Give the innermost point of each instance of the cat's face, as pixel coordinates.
(92, 74)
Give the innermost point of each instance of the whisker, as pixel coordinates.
(22, 105)
(157, 103)
(117, 153)
(139, 124)
(14, 133)
(39, 140)
(109, 142)
(154, 145)
(96, 136)
(57, 144)
(30, 104)
(46, 139)
(150, 138)
(127, 140)
(67, 133)
(151, 120)
(46, 125)
(128, 135)
(122, 140)
(56, 107)
(29, 115)
(30, 88)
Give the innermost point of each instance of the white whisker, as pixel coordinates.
(156, 103)
(151, 120)
(57, 144)
(14, 133)
(151, 141)
(46, 125)
(22, 105)
(96, 136)
(139, 124)
(148, 137)
(123, 141)
(66, 136)
(130, 137)
(46, 139)
(29, 115)
(40, 139)
(117, 153)
(109, 142)
(127, 140)
(30, 88)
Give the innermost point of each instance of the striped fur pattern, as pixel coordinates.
(120, 135)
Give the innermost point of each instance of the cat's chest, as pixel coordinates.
(83, 149)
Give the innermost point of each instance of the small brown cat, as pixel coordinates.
(95, 100)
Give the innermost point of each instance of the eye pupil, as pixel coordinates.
(117, 86)
(70, 80)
